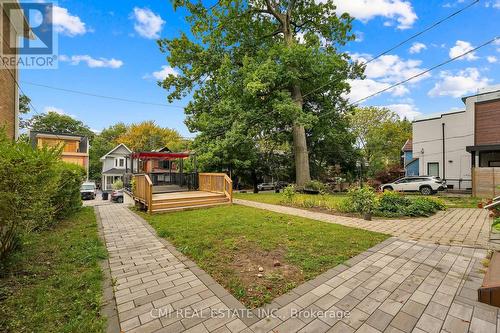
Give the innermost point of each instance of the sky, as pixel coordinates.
(109, 48)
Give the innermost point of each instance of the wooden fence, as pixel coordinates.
(485, 182)
(143, 189)
(216, 182)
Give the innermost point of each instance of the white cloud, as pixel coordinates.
(417, 47)
(67, 24)
(382, 73)
(465, 81)
(492, 59)
(147, 24)
(460, 48)
(162, 73)
(92, 62)
(365, 10)
(59, 111)
(391, 68)
(408, 111)
(361, 89)
(360, 36)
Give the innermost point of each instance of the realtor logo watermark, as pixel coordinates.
(29, 40)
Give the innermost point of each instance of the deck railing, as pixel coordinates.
(216, 182)
(143, 190)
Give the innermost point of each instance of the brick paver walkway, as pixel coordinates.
(460, 226)
(396, 286)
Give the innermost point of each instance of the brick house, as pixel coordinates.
(14, 26)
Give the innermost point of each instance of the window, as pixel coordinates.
(119, 162)
(433, 169)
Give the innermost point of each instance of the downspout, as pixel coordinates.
(444, 154)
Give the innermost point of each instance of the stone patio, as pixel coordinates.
(399, 285)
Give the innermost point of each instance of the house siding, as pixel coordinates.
(459, 133)
(8, 88)
(487, 124)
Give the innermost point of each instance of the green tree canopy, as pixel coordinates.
(380, 135)
(58, 123)
(259, 69)
(148, 136)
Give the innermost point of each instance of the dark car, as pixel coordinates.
(117, 196)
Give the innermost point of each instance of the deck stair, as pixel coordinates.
(187, 200)
(214, 189)
(489, 292)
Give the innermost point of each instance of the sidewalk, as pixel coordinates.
(396, 286)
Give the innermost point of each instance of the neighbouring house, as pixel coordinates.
(462, 147)
(410, 163)
(75, 148)
(114, 166)
(13, 27)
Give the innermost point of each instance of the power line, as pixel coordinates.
(120, 99)
(432, 26)
(424, 72)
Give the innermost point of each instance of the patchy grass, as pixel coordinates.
(327, 201)
(53, 282)
(460, 202)
(232, 242)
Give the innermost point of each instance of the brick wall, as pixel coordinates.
(7, 84)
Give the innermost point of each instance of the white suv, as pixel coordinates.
(424, 184)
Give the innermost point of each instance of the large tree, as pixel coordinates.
(259, 68)
(58, 123)
(147, 136)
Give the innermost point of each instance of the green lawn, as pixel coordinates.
(53, 283)
(231, 242)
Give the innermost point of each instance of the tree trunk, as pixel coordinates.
(302, 172)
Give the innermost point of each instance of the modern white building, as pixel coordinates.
(450, 145)
(114, 166)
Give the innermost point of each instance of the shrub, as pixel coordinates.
(36, 188)
(27, 181)
(315, 185)
(289, 194)
(67, 198)
(422, 206)
(363, 200)
(117, 185)
(392, 203)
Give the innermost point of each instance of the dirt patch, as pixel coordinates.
(264, 275)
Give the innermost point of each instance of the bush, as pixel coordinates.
(117, 185)
(289, 194)
(315, 185)
(394, 204)
(67, 198)
(35, 189)
(363, 200)
(421, 206)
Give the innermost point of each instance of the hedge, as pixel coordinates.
(36, 190)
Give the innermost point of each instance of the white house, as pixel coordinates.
(114, 165)
(452, 145)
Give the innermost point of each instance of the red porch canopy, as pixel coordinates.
(158, 156)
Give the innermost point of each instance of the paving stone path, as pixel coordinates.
(396, 286)
(459, 226)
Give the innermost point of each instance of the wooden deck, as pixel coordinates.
(215, 189)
